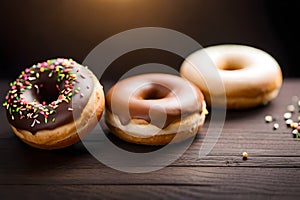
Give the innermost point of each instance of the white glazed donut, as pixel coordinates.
(251, 77)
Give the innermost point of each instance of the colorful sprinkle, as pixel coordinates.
(245, 155)
(294, 125)
(288, 122)
(17, 105)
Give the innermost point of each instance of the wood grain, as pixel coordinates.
(270, 172)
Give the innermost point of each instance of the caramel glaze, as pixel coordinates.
(49, 89)
(160, 99)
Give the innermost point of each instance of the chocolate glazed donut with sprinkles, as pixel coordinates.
(52, 102)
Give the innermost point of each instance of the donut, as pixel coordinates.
(53, 103)
(154, 109)
(251, 77)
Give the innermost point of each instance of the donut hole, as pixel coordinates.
(43, 92)
(154, 92)
(232, 64)
(47, 96)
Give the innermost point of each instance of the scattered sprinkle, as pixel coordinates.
(295, 133)
(18, 107)
(289, 118)
(291, 108)
(34, 122)
(245, 155)
(268, 118)
(275, 126)
(287, 115)
(37, 89)
(82, 76)
(288, 122)
(294, 125)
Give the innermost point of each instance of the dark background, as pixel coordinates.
(36, 30)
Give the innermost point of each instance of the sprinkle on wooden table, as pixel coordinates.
(294, 125)
(245, 155)
(287, 115)
(291, 108)
(288, 122)
(268, 118)
(275, 126)
(295, 133)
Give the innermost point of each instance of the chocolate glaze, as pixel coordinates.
(160, 99)
(48, 89)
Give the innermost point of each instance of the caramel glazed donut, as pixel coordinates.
(53, 103)
(154, 109)
(251, 77)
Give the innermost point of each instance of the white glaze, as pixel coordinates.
(256, 80)
(187, 124)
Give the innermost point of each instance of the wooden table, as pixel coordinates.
(270, 172)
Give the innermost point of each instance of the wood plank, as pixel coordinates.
(166, 176)
(140, 192)
(206, 180)
(272, 169)
(264, 151)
